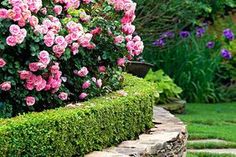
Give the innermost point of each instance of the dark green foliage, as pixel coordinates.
(98, 123)
(5, 110)
(210, 8)
(157, 16)
(165, 86)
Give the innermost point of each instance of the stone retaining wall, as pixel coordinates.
(167, 139)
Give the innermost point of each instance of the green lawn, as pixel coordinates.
(210, 121)
(214, 121)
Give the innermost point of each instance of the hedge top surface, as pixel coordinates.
(132, 87)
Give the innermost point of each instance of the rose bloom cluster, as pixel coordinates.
(65, 50)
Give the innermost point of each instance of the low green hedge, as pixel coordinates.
(96, 124)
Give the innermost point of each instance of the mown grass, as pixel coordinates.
(211, 121)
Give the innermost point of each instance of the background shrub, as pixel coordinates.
(93, 125)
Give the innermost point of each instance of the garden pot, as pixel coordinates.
(139, 69)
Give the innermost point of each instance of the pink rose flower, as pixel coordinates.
(94, 79)
(14, 29)
(96, 31)
(11, 41)
(118, 39)
(75, 36)
(85, 40)
(21, 37)
(37, 80)
(121, 62)
(41, 85)
(60, 40)
(55, 83)
(34, 66)
(10, 14)
(33, 21)
(21, 22)
(57, 9)
(49, 38)
(44, 57)
(43, 11)
(58, 50)
(31, 79)
(128, 38)
(126, 19)
(29, 86)
(68, 39)
(135, 46)
(83, 72)
(47, 87)
(55, 68)
(102, 69)
(30, 100)
(128, 29)
(63, 96)
(83, 96)
(24, 75)
(2, 62)
(86, 1)
(5, 86)
(75, 48)
(3, 13)
(84, 17)
(99, 83)
(86, 85)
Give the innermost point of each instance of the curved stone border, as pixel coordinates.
(167, 139)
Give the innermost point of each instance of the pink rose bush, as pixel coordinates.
(58, 51)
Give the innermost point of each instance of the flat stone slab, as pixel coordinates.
(208, 141)
(105, 154)
(215, 151)
(168, 138)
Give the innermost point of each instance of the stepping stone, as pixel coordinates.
(208, 141)
(215, 151)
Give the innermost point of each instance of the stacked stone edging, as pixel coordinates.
(167, 139)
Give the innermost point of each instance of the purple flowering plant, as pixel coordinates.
(180, 48)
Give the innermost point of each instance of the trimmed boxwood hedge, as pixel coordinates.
(96, 124)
